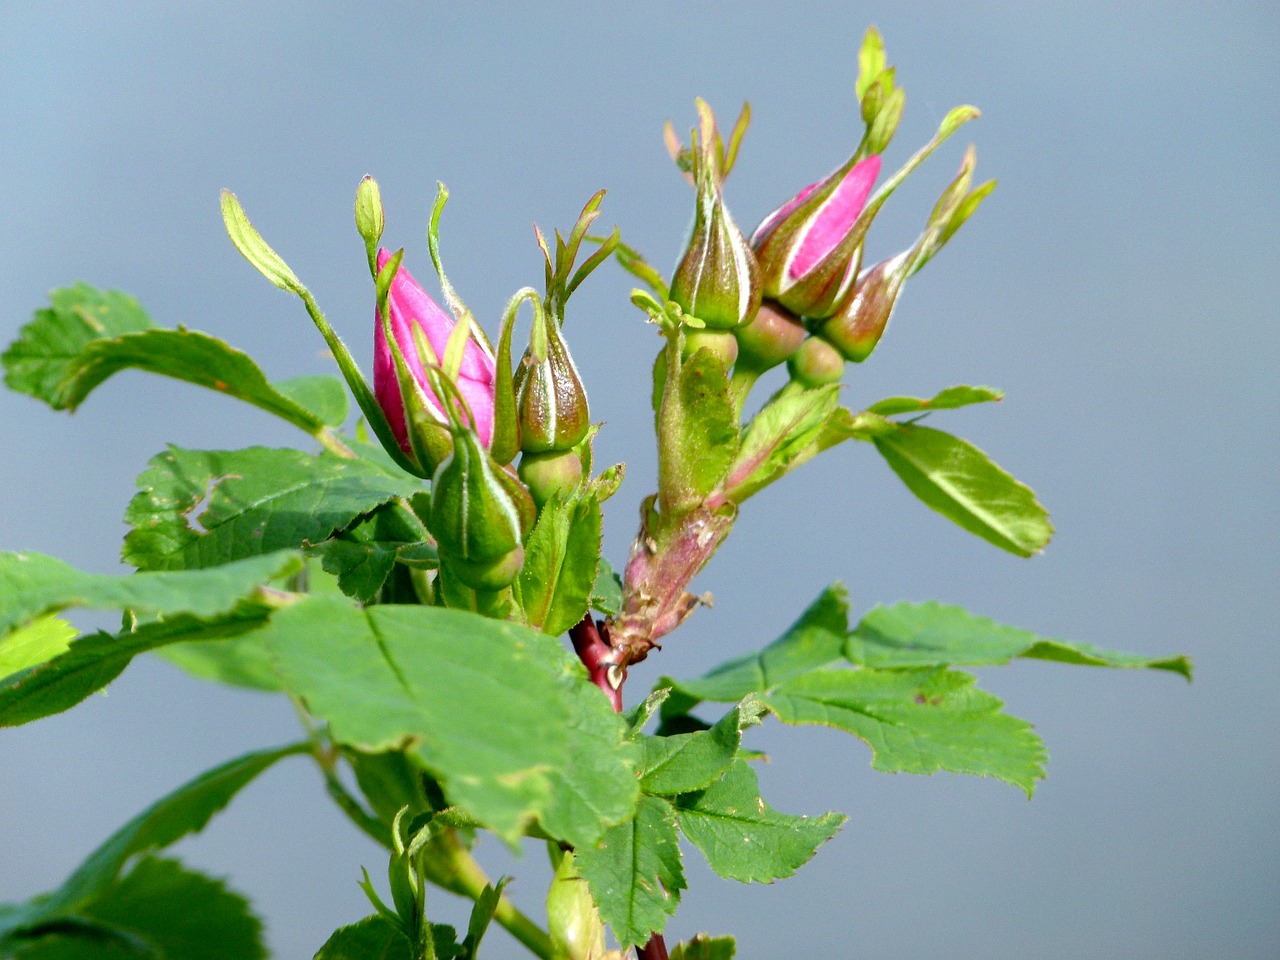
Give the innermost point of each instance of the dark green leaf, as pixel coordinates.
(258, 500)
(693, 761)
(606, 595)
(364, 555)
(158, 911)
(929, 634)
(561, 557)
(742, 837)
(948, 399)
(635, 874)
(917, 721)
(813, 641)
(373, 938)
(957, 479)
(703, 947)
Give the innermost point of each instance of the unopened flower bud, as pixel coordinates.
(410, 306)
(370, 219)
(551, 403)
(861, 320)
(480, 515)
(717, 280)
(809, 246)
(816, 363)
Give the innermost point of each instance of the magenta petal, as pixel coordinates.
(768, 224)
(409, 304)
(836, 217)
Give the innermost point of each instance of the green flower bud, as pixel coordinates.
(772, 337)
(480, 515)
(551, 403)
(718, 279)
(816, 363)
(551, 474)
(573, 922)
(857, 327)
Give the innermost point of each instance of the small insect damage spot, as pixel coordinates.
(194, 514)
(921, 699)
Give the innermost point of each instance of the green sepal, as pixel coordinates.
(697, 427)
(506, 422)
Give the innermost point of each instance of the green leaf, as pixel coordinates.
(33, 585)
(704, 947)
(485, 704)
(597, 787)
(815, 640)
(39, 640)
(698, 432)
(929, 634)
(917, 721)
(957, 479)
(693, 761)
(364, 555)
(635, 874)
(373, 938)
(561, 559)
(92, 662)
(324, 395)
(780, 438)
(159, 910)
(948, 399)
(255, 500)
(184, 811)
(87, 336)
(742, 837)
(45, 353)
(606, 594)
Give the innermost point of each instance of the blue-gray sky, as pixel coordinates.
(1120, 285)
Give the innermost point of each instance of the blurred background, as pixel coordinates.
(1119, 285)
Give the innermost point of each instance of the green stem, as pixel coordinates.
(740, 385)
(329, 440)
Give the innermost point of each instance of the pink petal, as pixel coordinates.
(835, 218)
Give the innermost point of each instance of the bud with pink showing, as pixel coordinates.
(415, 321)
(809, 246)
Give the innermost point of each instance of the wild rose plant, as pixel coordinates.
(409, 584)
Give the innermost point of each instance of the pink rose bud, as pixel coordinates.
(809, 247)
(409, 305)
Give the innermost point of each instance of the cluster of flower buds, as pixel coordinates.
(458, 412)
(821, 308)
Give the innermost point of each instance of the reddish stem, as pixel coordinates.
(601, 662)
(599, 658)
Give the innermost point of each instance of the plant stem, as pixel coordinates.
(600, 660)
